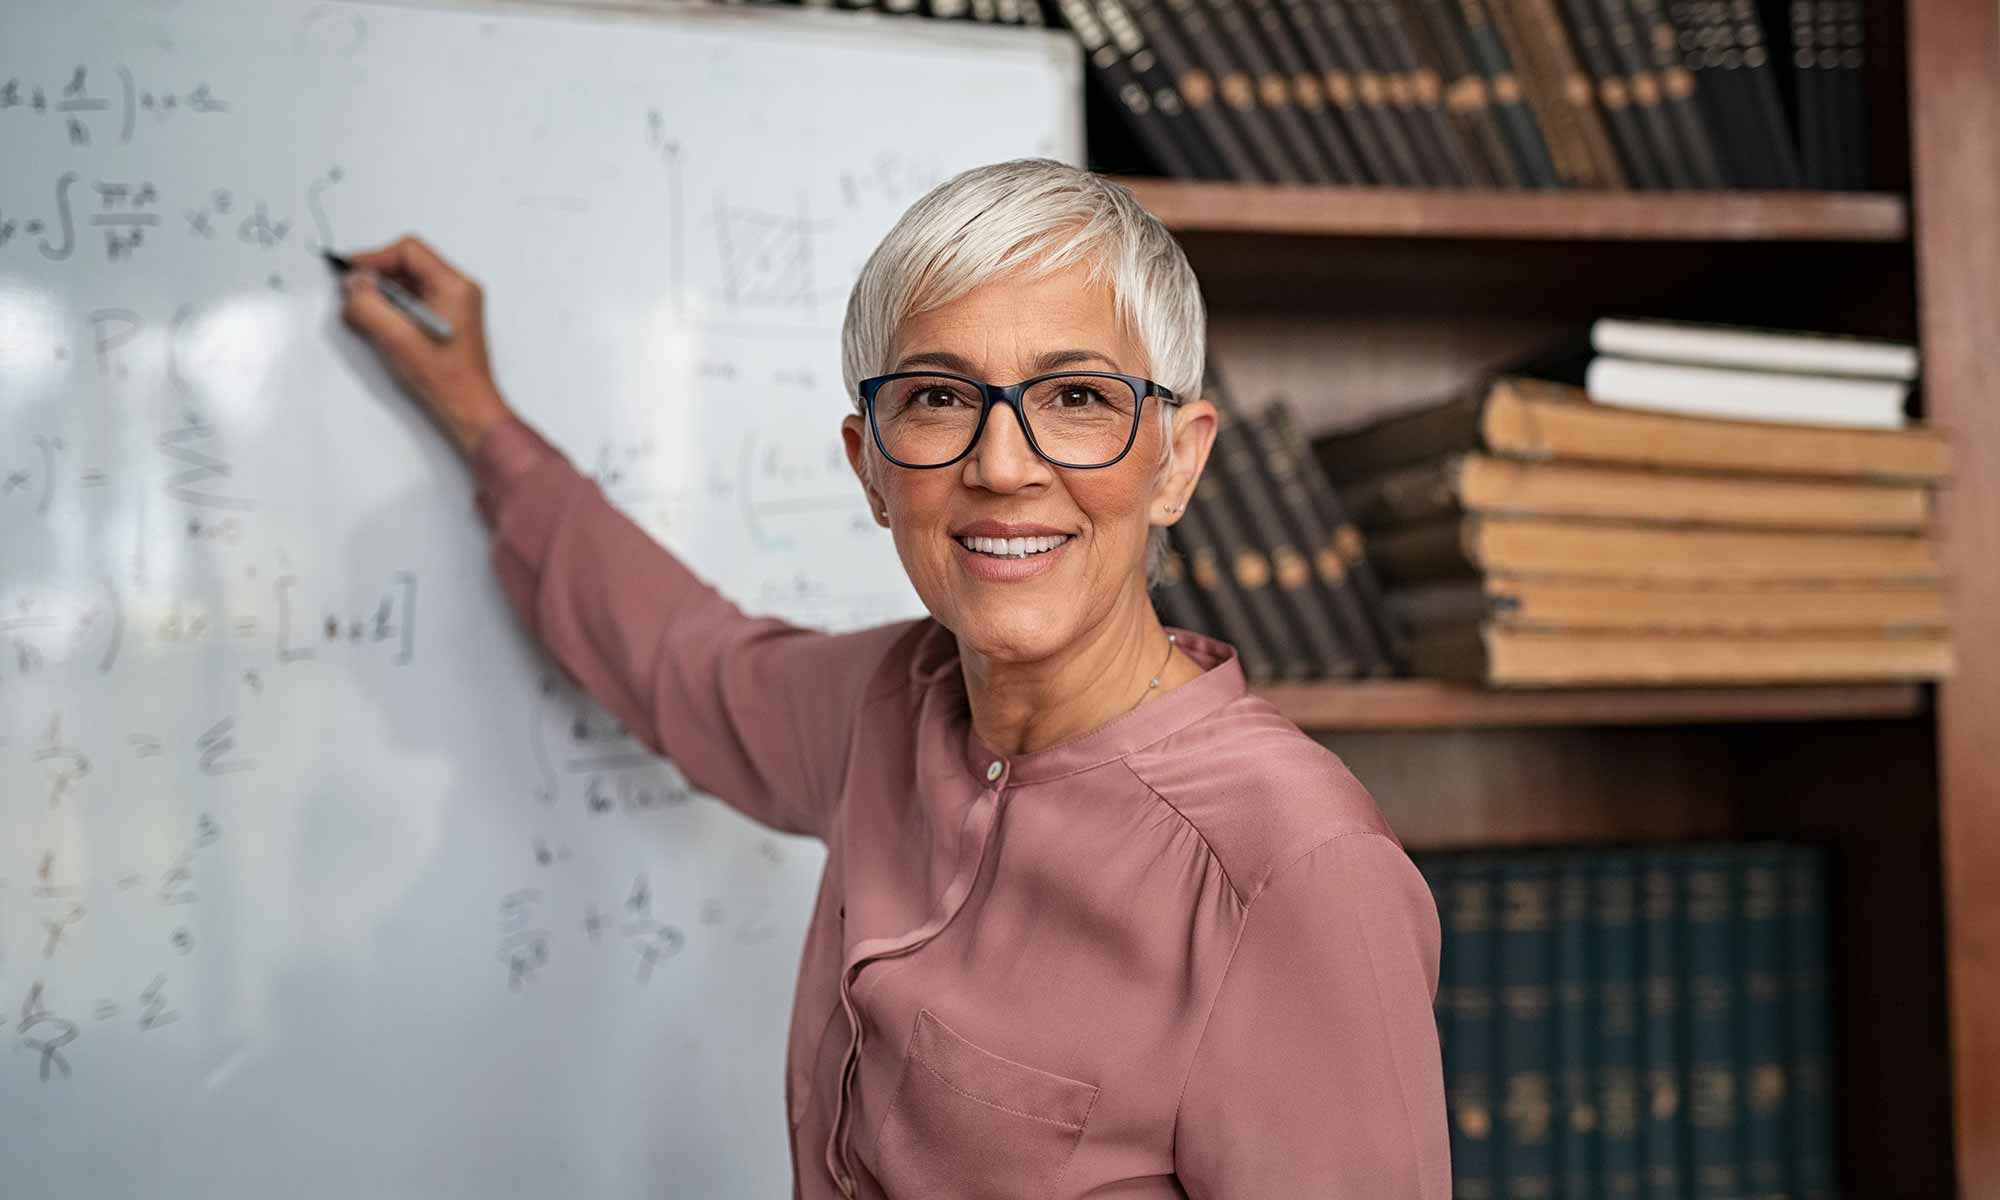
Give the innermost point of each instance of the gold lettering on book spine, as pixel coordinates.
(1237, 92)
(1293, 573)
(1677, 82)
(1426, 85)
(1466, 95)
(1506, 89)
(1206, 576)
(1196, 88)
(1577, 89)
(1341, 88)
(1252, 570)
(1612, 92)
(1369, 85)
(1306, 88)
(1272, 91)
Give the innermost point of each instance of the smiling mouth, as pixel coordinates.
(1020, 547)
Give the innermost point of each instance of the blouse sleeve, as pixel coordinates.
(1318, 1073)
(754, 710)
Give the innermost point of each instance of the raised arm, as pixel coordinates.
(754, 710)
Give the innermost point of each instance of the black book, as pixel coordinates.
(1234, 88)
(1628, 48)
(1206, 566)
(1399, 89)
(1197, 87)
(1464, 152)
(1337, 81)
(1466, 99)
(1677, 93)
(1308, 92)
(1177, 599)
(1762, 77)
(1319, 541)
(1250, 569)
(1109, 68)
(1614, 97)
(1298, 587)
(1271, 91)
(1808, 98)
(1390, 637)
(1851, 90)
(1509, 100)
(1152, 76)
(1370, 92)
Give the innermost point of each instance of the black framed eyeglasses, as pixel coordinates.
(1080, 420)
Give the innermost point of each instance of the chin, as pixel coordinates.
(1010, 629)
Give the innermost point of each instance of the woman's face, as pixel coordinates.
(1024, 609)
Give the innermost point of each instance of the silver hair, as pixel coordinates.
(1036, 216)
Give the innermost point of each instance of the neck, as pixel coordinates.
(1020, 707)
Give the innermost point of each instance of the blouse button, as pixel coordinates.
(993, 770)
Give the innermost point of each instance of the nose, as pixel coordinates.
(1003, 461)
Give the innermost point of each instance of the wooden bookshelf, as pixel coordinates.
(1200, 207)
(1356, 302)
(1435, 704)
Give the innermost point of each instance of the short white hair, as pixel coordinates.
(1036, 216)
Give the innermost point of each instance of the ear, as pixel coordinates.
(1193, 434)
(854, 437)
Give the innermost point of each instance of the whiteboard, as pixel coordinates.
(315, 879)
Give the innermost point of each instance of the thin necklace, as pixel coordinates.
(1153, 685)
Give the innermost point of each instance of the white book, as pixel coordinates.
(1746, 395)
(1757, 349)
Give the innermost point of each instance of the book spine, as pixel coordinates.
(1307, 92)
(1336, 80)
(1283, 467)
(1615, 949)
(1665, 44)
(1577, 93)
(1399, 90)
(1542, 92)
(1662, 1133)
(1178, 602)
(1109, 68)
(1852, 81)
(1157, 84)
(1504, 84)
(1392, 643)
(1219, 596)
(1298, 589)
(1710, 990)
(1815, 150)
(1760, 74)
(1197, 88)
(1808, 985)
(1370, 94)
(1526, 954)
(1466, 164)
(1466, 98)
(1613, 96)
(1644, 88)
(1269, 92)
(1471, 1031)
(1763, 1077)
(1255, 581)
(1576, 1033)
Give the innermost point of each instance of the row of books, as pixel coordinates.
(1649, 1023)
(1529, 533)
(1613, 94)
(1266, 558)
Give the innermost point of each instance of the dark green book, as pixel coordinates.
(1814, 1162)
(1662, 1132)
(1763, 1077)
(1470, 1018)
(1615, 951)
(1709, 995)
(1526, 956)
(1576, 1033)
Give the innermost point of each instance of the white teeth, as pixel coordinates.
(1013, 547)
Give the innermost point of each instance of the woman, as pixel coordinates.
(1094, 920)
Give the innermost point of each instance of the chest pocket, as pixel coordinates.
(969, 1124)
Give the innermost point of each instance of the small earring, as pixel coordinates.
(1173, 508)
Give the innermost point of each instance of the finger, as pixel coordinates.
(412, 262)
(367, 313)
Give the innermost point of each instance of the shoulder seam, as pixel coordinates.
(1221, 866)
(1187, 1076)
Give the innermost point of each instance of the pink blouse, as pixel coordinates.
(1179, 955)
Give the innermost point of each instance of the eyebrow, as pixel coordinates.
(1053, 360)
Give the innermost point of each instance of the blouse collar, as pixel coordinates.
(1221, 681)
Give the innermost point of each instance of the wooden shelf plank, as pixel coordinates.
(1434, 704)
(1358, 212)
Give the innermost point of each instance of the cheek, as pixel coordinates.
(1115, 503)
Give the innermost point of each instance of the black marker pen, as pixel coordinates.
(398, 295)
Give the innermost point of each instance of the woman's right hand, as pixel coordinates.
(452, 378)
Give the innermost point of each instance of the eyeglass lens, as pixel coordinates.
(1080, 420)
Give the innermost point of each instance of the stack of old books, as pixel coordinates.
(1530, 534)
